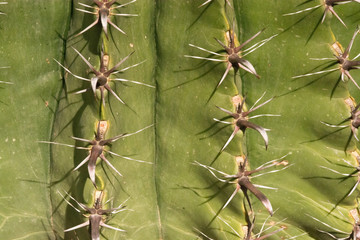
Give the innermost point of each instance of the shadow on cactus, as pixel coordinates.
(355, 173)
(355, 233)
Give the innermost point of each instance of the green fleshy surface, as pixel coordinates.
(169, 199)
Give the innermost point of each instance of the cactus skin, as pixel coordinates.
(162, 195)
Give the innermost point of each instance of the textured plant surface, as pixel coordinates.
(174, 197)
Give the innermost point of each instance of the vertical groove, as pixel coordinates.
(61, 90)
(156, 146)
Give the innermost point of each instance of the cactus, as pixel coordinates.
(175, 106)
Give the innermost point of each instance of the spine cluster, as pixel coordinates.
(234, 58)
(235, 54)
(210, 145)
(100, 86)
